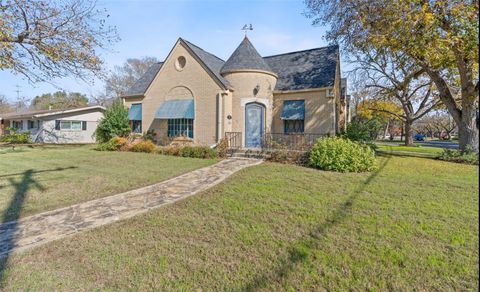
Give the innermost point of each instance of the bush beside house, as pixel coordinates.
(16, 138)
(343, 155)
(115, 123)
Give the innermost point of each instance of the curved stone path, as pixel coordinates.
(45, 227)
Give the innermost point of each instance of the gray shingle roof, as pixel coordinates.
(245, 56)
(213, 62)
(305, 69)
(141, 85)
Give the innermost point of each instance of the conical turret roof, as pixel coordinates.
(245, 57)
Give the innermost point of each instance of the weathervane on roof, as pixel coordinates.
(247, 27)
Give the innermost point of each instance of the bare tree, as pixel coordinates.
(440, 36)
(438, 123)
(395, 77)
(42, 39)
(123, 77)
(5, 106)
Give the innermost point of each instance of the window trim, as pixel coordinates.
(176, 126)
(58, 125)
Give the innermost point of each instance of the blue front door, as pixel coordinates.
(254, 117)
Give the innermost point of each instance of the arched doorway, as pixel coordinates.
(254, 124)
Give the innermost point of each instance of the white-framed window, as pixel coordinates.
(70, 125)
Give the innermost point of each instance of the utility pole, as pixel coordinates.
(18, 91)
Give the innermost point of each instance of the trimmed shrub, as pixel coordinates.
(16, 138)
(115, 123)
(144, 146)
(115, 144)
(189, 151)
(288, 156)
(468, 156)
(110, 145)
(343, 155)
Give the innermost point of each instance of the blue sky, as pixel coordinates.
(151, 27)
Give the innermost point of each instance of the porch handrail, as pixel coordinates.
(234, 140)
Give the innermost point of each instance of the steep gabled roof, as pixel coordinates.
(141, 85)
(307, 69)
(212, 62)
(245, 57)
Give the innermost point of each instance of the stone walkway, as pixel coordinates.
(45, 227)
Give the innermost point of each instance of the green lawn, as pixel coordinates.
(412, 150)
(411, 225)
(37, 179)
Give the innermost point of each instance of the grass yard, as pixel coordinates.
(34, 180)
(412, 151)
(411, 225)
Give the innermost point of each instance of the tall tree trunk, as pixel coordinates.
(467, 129)
(408, 133)
(465, 118)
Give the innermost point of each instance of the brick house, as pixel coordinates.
(195, 94)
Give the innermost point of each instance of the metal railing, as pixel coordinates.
(275, 141)
(234, 140)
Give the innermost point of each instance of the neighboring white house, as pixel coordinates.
(75, 125)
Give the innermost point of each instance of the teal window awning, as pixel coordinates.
(135, 112)
(293, 110)
(176, 109)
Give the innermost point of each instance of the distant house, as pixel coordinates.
(195, 94)
(75, 125)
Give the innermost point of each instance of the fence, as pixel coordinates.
(273, 141)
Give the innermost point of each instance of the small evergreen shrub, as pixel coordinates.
(110, 145)
(115, 123)
(343, 155)
(16, 138)
(144, 146)
(468, 156)
(363, 130)
(115, 144)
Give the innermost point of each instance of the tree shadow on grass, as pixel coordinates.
(299, 251)
(9, 223)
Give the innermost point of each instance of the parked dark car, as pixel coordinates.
(419, 137)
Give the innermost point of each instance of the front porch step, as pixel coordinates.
(249, 153)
